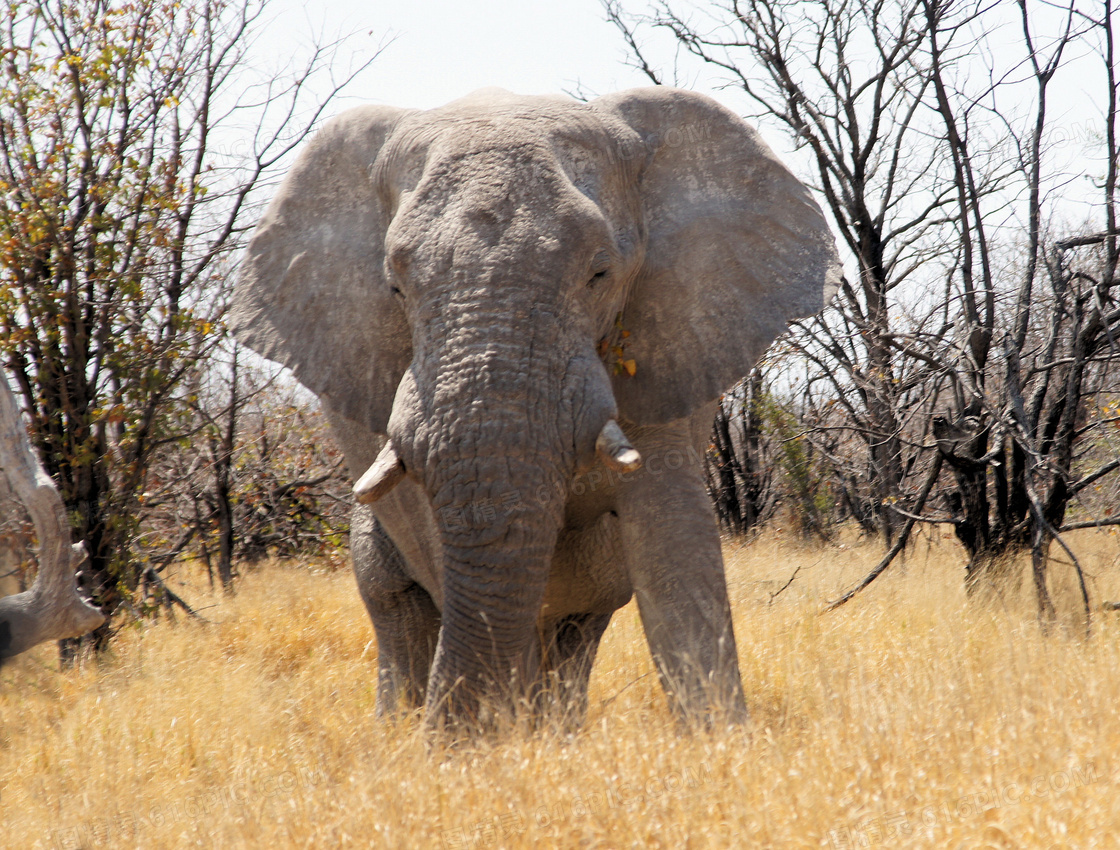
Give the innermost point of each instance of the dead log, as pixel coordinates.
(52, 609)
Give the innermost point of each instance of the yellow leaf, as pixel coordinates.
(631, 367)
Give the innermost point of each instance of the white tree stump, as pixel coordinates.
(52, 609)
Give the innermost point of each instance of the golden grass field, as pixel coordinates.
(909, 718)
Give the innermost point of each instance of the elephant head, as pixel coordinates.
(496, 284)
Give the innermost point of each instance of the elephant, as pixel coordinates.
(518, 314)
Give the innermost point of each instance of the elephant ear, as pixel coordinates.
(736, 249)
(311, 292)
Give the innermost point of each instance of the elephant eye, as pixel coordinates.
(600, 267)
(397, 292)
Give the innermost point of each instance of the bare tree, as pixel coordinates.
(740, 481)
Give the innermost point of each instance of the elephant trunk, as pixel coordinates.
(496, 462)
(499, 534)
(497, 452)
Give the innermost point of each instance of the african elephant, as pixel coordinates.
(505, 305)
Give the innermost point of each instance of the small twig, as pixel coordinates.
(171, 595)
(1092, 523)
(609, 700)
(900, 543)
(167, 557)
(932, 520)
(775, 594)
(285, 489)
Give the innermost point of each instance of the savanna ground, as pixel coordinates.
(912, 717)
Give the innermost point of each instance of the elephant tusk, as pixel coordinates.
(382, 476)
(615, 449)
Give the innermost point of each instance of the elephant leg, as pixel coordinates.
(675, 562)
(407, 628)
(405, 619)
(570, 645)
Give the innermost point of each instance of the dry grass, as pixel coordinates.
(909, 718)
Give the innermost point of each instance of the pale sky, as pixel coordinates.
(438, 50)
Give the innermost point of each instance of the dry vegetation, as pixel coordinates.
(909, 718)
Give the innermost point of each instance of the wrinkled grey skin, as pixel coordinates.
(447, 279)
